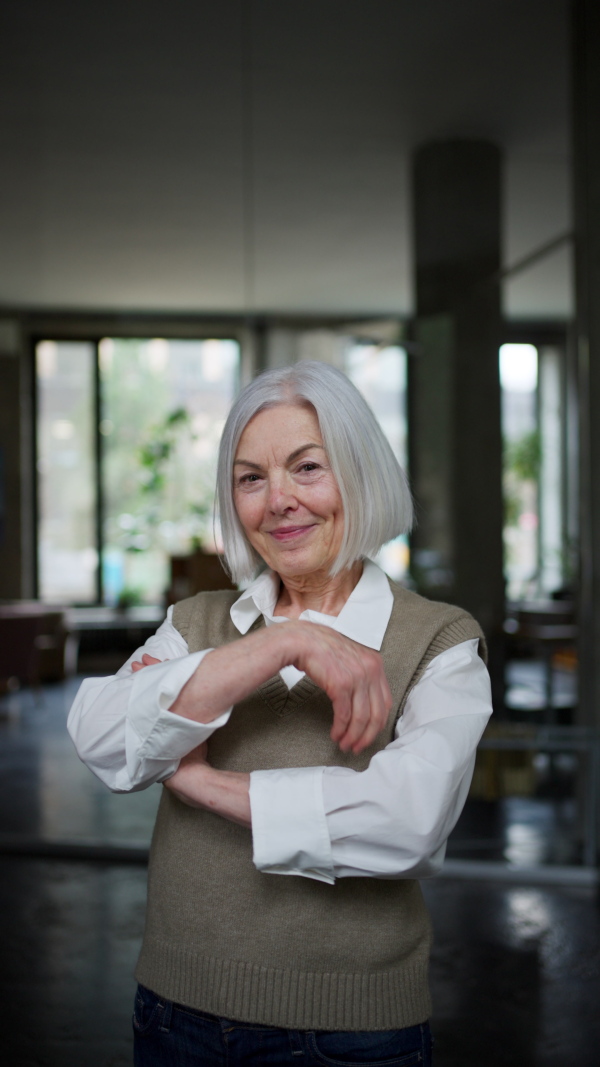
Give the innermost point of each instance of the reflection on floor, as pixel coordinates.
(523, 831)
(544, 823)
(515, 975)
(515, 969)
(44, 789)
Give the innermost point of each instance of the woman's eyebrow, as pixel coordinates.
(303, 448)
(292, 456)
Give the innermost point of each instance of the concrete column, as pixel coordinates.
(586, 153)
(16, 466)
(284, 345)
(456, 443)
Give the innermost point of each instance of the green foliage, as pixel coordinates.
(522, 462)
(152, 477)
(523, 457)
(161, 421)
(154, 454)
(512, 504)
(129, 597)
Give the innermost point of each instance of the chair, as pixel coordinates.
(543, 629)
(19, 652)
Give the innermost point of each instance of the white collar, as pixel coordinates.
(363, 618)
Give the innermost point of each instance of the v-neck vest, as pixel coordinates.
(294, 952)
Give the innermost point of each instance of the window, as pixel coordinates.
(67, 541)
(128, 431)
(533, 427)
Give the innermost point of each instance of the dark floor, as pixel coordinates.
(515, 969)
(515, 975)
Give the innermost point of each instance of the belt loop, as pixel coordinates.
(167, 1011)
(296, 1043)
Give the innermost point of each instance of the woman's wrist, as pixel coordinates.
(227, 674)
(291, 636)
(226, 793)
(190, 785)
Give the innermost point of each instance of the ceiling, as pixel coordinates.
(255, 156)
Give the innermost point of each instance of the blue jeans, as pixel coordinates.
(171, 1035)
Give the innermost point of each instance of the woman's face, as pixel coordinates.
(285, 494)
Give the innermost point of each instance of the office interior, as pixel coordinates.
(193, 194)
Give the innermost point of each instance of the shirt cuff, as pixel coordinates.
(162, 734)
(289, 827)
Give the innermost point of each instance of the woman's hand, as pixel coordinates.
(146, 661)
(353, 677)
(351, 674)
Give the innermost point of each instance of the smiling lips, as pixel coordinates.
(289, 533)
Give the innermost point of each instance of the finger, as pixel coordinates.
(351, 702)
(381, 706)
(342, 713)
(372, 711)
(148, 660)
(373, 728)
(136, 665)
(361, 717)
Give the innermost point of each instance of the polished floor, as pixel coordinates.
(515, 969)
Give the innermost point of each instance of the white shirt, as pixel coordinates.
(391, 820)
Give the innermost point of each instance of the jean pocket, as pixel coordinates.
(148, 1011)
(371, 1048)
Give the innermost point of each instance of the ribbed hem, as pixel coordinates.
(285, 998)
(462, 629)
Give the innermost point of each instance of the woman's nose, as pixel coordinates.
(281, 494)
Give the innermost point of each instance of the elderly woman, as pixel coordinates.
(322, 725)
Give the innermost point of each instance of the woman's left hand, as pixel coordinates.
(185, 783)
(146, 661)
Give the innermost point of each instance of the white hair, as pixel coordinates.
(373, 487)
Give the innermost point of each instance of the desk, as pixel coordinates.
(146, 616)
(107, 636)
(35, 643)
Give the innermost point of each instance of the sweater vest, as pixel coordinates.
(224, 938)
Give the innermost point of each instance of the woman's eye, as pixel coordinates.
(248, 479)
(308, 467)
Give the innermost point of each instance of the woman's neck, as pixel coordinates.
(317, 592)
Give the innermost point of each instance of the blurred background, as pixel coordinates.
(193, 193)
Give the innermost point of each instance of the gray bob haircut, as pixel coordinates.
(373, 487)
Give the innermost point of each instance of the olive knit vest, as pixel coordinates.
(292, 952)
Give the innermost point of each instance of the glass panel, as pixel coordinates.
(553, 556)
(67, 556)
(520, 431)
(164, 404)
(380, 375)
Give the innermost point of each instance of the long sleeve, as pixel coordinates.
(121, 725)
(393, 819)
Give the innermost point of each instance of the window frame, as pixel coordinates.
(75, 331)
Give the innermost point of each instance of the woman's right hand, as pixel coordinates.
(353, 677)
(351, 674)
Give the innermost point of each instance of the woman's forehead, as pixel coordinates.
(282, 428)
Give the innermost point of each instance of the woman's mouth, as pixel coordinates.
(290, 533)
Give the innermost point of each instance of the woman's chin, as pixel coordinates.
(295, 562)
